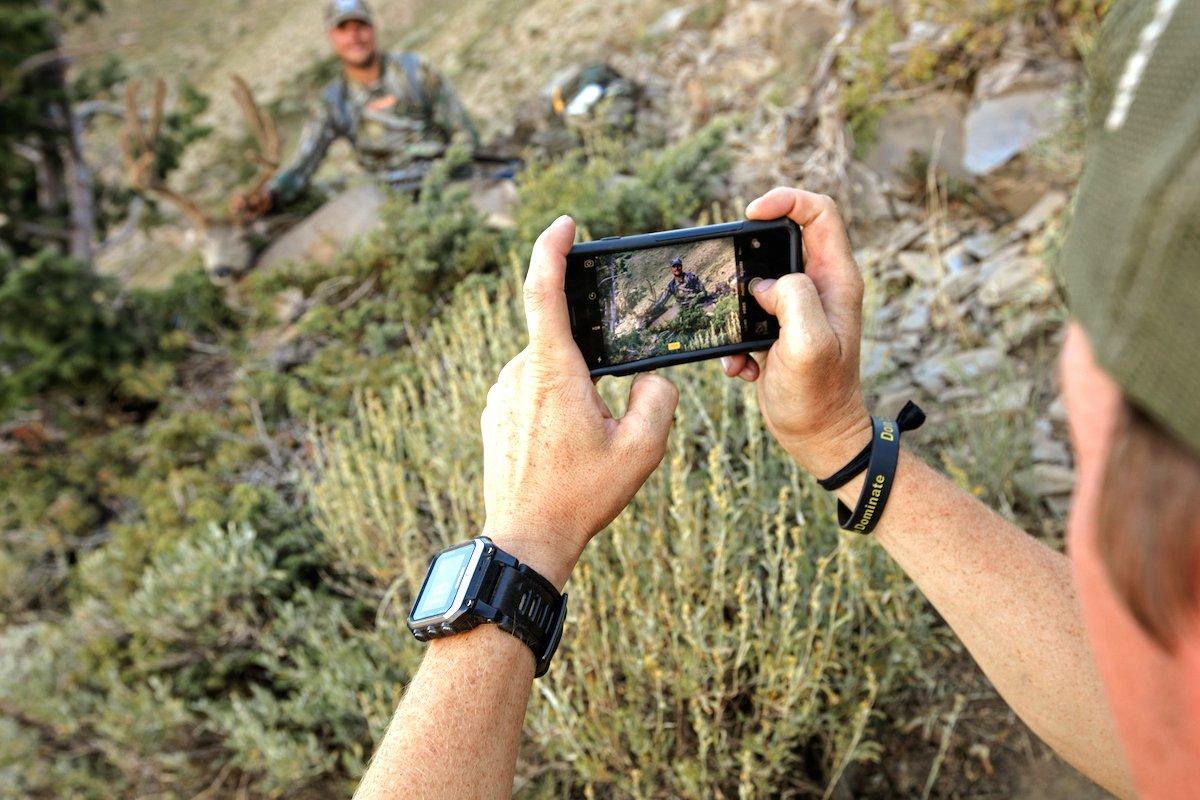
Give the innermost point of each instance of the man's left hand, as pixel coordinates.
(557, 467)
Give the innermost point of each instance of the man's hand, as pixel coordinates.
(249, 206)
(557, 467)
(808, 384)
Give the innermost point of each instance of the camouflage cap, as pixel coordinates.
(1132, 260)
(339, 11)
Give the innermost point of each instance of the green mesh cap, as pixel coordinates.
(1132, 259)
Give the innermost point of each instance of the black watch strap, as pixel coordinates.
(526, 605)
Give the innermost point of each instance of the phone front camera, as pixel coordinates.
(755, 243)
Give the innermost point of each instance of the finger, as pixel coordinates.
(817, 214)
(733, 365)
(741, 365)
(830, 258)
(750, 371)
(804, 330)
(648, 418)
(545, 300)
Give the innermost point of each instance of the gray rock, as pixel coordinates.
(920, 267)
(1046, 480)
(1017, 329)
(957, 394)
(908, 136)
(937, 373)
(958, 285)
(982, 245)
(894, 395)
(999, 128)
(1058, 410)
(1011, 397)
(1042, 212)
(1046, 448)
(1023, 281)
(957, 258)
(877, 359)
(916, 319)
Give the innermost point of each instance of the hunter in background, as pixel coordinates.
(398, 113)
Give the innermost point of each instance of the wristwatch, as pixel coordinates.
(476, 582)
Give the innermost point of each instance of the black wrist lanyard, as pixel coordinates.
(879, 458)
(910, 418)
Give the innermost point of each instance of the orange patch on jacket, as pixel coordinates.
(382, 103)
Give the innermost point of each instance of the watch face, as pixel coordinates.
(447, 582)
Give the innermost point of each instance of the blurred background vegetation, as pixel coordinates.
(215, 505)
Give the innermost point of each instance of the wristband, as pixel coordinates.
(910, 418)
(881, 473)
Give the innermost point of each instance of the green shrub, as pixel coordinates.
(615, 189)
(66, 329)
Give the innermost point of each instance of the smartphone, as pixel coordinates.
(642, 302)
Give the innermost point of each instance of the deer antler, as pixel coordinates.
(138, 143)
(262, 126)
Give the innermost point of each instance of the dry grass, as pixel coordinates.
(723, 635)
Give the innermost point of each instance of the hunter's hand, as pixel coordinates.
(557, 467)
(808, 384)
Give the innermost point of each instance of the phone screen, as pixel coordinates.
(670, 300)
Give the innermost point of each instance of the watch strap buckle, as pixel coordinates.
(543, 662)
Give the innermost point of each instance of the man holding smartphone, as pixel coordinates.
(1098, 653)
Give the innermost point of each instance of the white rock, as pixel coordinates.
(669, 22)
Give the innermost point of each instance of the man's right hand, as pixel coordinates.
(808, 383)
(249, 206)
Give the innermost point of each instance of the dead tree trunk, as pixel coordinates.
(74, 175)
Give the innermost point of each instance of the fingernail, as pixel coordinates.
(726, 361)
(561, 218)
(760, 285)
(750, 208)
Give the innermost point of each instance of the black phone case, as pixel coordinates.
(613, 244)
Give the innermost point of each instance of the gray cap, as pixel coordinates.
(339, 11)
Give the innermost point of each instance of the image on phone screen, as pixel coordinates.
(674, 299)
(666, 300)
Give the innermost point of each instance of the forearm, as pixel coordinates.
(1011, 601)
(456, 732)
(466, 704)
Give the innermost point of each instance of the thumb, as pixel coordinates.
(643, 430)
(804, 330)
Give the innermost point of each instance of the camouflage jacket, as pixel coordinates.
(691, 290)
(396, 126)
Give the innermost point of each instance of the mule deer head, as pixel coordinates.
(223, 241)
